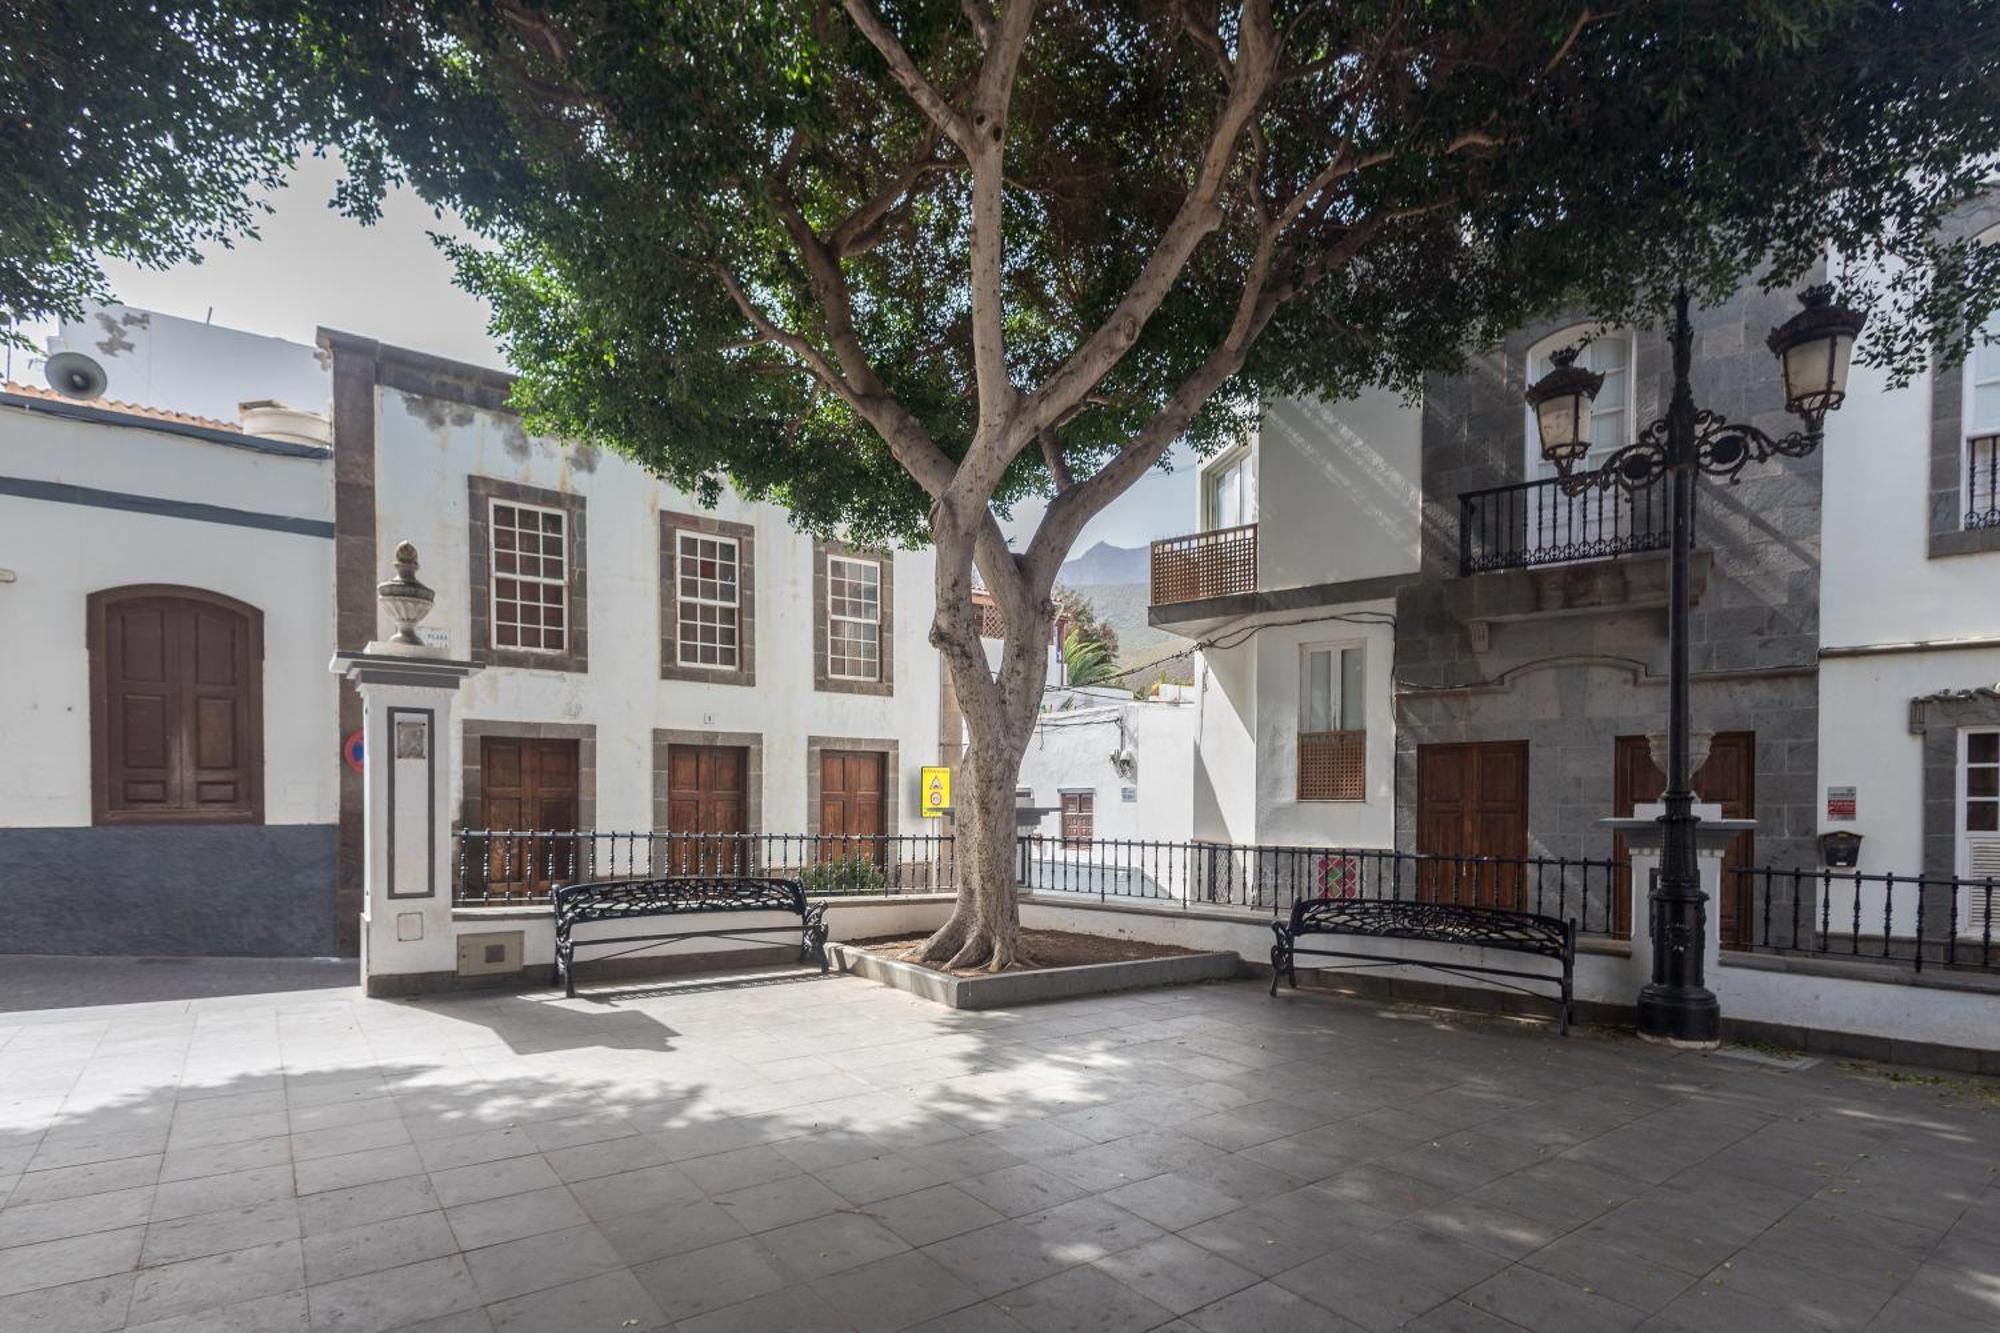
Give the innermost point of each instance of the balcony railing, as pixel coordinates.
(1982, 482)
(1205, 564)
(1535, 523)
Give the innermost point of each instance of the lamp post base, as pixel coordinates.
(1685, 1017)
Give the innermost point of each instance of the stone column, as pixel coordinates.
(1643, 844)
(407, 691)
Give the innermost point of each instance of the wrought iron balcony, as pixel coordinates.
(1205, 564)
(1535, 523)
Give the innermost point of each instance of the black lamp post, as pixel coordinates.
(1813, 347)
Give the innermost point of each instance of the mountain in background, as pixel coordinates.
(1106, 564)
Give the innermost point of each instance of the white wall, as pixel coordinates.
(1225, 764)
(1339, 490)
(1878, 583)
(1072, 751)
(1280, 817)
(425, 452)
(60, 553)
(185, 366)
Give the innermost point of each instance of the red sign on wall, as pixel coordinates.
(1840, 803)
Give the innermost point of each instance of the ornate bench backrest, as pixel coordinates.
(613, 899)
(1391, 918)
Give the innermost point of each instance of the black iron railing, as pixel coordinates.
(1268, 878)
(496, 867)
(1540, 523)
(1982, 482)
(1911, 920)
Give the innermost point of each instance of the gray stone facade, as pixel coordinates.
(1949, 534)
(1583, 660)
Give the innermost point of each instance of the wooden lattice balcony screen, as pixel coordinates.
(1333, 765)
(1205, 564)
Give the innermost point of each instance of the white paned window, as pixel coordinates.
(1229, 491)
(530, 577)
(1979, 803)
(1609, 354)
(1330, 689)
(708, 599)
(854, 619)
(1979, 465)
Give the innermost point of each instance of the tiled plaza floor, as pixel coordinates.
(789, 1152)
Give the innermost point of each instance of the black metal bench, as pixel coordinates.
(680, 895)
(1438, 923)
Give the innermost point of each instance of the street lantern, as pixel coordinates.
(1561, 401)
(1814, 347)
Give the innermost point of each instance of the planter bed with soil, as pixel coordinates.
(1061, 966)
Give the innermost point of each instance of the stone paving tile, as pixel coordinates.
(1190, 1161)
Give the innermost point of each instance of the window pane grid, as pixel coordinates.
(708, 575)
(530, 578)
(854, 619)
(1982, 782)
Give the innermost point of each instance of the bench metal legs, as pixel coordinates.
(1283, 961)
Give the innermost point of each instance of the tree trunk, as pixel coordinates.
(985, 924)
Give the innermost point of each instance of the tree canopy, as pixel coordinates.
(688, 205)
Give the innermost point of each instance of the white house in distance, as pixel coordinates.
(178, 584)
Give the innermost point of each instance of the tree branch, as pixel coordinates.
(1058, 466)
(1198, 215)
(905, 436)
(904, 70)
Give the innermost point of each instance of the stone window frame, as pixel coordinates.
(473, 731)
(745, 537)
(481, 492)
(892, 777)
(664, 738)
(823, 680)
(1948, 534)
(1938, 719)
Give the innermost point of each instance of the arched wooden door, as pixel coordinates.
(177, 706)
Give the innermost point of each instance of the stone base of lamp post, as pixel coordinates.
(1643, 838)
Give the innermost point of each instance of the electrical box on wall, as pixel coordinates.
(489, 953)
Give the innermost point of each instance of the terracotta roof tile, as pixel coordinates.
(124, 409)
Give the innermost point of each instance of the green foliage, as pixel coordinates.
(846, 875)
(1086, 661)
(1085, 623)
(617, 158)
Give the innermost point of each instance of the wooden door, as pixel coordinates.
(1079, 819)
(528, 787)
(1728, 779)
(852, 805)
(1472, 802)
(176, 709)
(708, 810)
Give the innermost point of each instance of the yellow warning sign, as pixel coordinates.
(937, 792)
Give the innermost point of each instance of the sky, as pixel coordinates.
(311, 267)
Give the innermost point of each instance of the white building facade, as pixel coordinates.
(184, 774)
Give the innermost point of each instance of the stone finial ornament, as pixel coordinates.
(1659, 743)
(406, 600)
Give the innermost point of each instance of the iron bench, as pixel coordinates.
(680, 895)
(1439, 923)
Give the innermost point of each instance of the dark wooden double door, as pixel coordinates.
(1472, 804)
(529, 790)
(853, 805)
(708, 810)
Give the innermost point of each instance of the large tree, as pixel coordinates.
(898, 264)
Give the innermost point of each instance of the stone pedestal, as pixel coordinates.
(407, 696)
(1643, 837)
